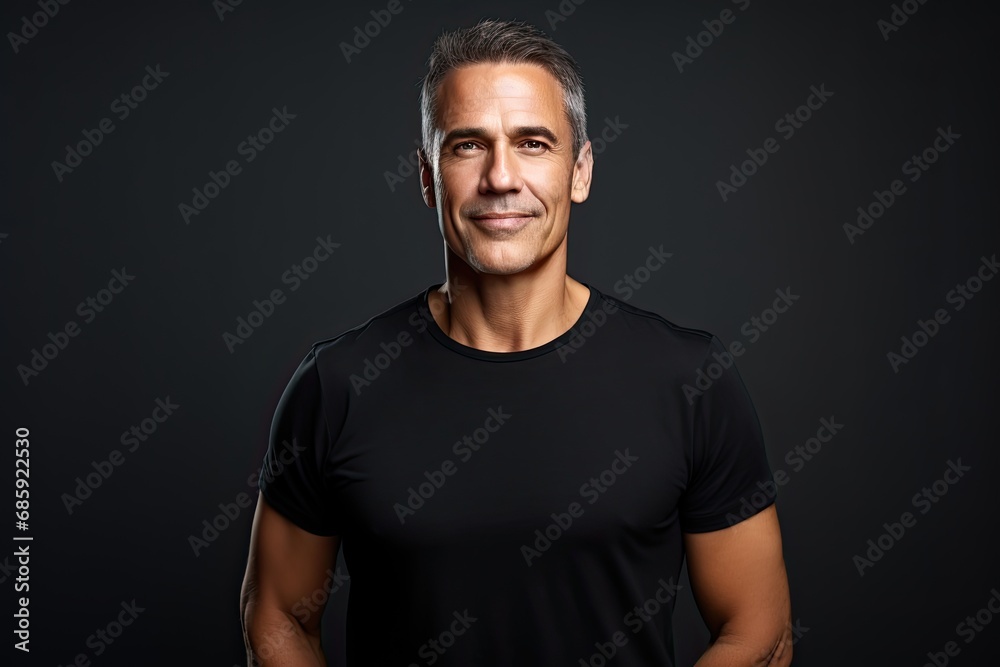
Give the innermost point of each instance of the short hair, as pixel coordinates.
(495, 41)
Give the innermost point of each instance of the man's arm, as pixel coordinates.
(740, 586)
(286, 564)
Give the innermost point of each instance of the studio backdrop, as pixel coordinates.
(195, 192)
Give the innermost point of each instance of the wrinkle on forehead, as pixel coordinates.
(480, 87)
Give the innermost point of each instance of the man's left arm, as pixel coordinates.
(740, 585)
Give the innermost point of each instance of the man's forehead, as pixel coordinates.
(482, 85)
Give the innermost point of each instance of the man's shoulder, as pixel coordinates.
(655, 329)
(389, 325)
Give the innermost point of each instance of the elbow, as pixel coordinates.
(247, 599)
(774, 648)
(263, 633)
(267, 629)
(770, 647)
(780, 652)
(249, 611)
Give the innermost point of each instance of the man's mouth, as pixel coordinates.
(503, 221)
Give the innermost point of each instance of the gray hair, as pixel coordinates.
(494, 41)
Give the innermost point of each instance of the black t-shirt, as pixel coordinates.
(515, 508)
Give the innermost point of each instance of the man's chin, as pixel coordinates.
(499, 266)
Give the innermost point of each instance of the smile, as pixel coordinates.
(502, 224)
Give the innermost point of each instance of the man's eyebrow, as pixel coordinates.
(482, 133)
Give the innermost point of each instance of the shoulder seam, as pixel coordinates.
(407, 303)
(629, 308)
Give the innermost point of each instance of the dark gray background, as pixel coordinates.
(654, 184)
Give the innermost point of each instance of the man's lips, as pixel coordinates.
(502, 221)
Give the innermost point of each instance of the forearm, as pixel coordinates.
(274, 639)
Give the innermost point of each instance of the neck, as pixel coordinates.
(507, 313)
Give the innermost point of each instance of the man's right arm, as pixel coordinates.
(285, 565)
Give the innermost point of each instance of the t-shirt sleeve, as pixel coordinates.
(292, 476)
(730, 477)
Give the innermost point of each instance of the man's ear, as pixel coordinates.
(583, 171)
(426, 179)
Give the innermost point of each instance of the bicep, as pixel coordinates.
(738, 578)
(287, 564)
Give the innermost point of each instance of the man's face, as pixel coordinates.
(507, 151)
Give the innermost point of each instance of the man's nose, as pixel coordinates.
(501, 171)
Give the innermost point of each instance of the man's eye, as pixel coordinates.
(530, 144)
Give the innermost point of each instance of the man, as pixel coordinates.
(515, 463)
